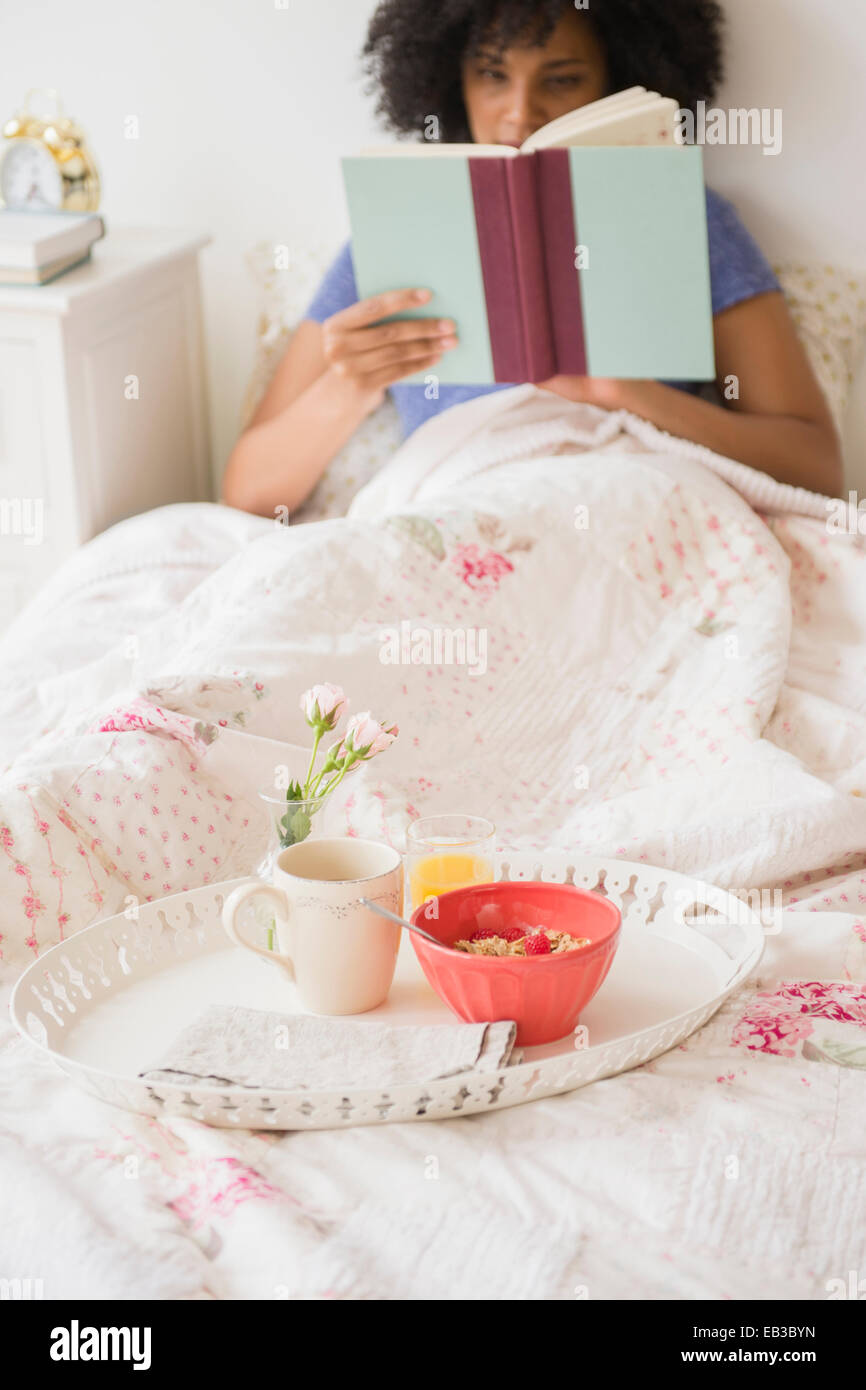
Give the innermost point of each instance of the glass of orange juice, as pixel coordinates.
(447, 852)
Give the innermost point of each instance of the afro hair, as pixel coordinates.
(414, 50)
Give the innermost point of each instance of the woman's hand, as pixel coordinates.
(374, 355)
(331, 378)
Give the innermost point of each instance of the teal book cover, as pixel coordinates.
(587, 260)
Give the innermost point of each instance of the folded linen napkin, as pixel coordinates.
(254, 1048)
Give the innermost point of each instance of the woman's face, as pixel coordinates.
(511, 95)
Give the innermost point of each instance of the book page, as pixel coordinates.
(588, 115)
(649, 124)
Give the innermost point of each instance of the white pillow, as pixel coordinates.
(828, 305)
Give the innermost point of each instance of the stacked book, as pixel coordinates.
(36, 247)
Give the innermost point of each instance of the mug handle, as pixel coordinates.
(232, 905)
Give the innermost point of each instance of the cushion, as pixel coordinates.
(828, 305)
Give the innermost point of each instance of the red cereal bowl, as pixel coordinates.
(544, 994)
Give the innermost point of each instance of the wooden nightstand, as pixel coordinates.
(103, 402)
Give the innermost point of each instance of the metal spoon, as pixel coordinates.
(410, 926)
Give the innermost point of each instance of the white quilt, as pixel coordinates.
(654, 670)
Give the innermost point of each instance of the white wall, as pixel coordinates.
(244, 108)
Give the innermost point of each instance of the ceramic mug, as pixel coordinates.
(340, 955)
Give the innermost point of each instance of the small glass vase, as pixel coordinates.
(289, 822)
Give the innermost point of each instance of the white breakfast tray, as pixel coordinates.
(106, 1004)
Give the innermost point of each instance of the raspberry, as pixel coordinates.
(511, 933)
(537, 944)
(504, 934)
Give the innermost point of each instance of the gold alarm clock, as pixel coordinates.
(45, 164)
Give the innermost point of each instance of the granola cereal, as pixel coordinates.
(487, 942)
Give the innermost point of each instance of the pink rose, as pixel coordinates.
(323, 706)
(365, 737)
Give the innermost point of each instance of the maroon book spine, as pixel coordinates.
(522, 178)
(498, 268)
(560, 249)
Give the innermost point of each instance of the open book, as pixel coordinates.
(583, 252)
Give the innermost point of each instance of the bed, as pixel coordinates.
(679, 680)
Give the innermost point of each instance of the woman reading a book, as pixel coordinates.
(494, 72)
